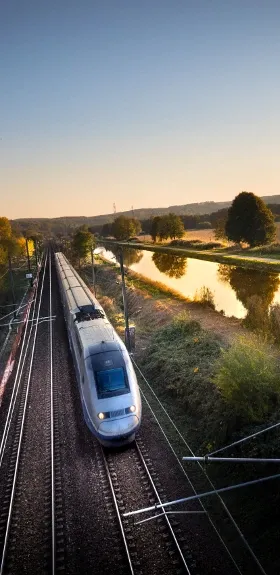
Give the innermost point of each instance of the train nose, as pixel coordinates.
(119, 426)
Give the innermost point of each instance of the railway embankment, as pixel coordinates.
(178, 345)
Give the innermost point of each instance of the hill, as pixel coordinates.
(64, 223)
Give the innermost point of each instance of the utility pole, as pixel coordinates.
(93, 271)
(127, 333)
(12, 285)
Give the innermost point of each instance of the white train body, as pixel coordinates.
(107, 382)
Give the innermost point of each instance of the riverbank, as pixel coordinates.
(264, 263)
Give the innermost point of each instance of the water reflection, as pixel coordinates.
(236, 290)
(130, 256)
(255, 290)
(170, 264)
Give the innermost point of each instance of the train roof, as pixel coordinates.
(96, 334)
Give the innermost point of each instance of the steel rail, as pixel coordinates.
(52, 426)
(4, 552)
(18, 376)
(163, 510)
(118, 513)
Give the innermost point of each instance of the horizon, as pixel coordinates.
(163, 103)
(135, 209)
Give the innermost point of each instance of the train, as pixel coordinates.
(107, 381)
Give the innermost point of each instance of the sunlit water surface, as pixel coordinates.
(200, 273)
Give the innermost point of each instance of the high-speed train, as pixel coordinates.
(108, 386)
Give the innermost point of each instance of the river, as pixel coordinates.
(233, 288)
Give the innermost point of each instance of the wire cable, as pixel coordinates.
(205, 473)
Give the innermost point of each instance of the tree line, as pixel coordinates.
(162, 228)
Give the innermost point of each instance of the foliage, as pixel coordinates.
(179, 361)
(219, 223)
(205, 297)
(11, 244)
(123, 228)
(250, 220)
(204, 225)
(274, 317)
(154, 231)
(5, 228)
(168, 226)
(82, 242)
(169, 264)
(197, 244)
(248, 376)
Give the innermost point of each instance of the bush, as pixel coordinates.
(248, 376)
(196, 244)
(204, 225)
(274, 318)
(205, 297)
(273, 248)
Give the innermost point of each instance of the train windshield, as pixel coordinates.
(110, 380)
(109, 374)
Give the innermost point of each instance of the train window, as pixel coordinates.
(111, 382)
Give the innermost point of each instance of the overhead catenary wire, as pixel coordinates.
(191, 484)
(252, 436)
(200, 495)
(14, 311)
(208, 459)
(242, 536)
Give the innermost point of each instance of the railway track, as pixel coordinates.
(31, 530)
(159, 546)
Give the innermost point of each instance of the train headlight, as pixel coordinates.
(132, 408)
(101, 415)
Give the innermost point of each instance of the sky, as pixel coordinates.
(138, 103)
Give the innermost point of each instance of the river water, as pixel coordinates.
(233, 288)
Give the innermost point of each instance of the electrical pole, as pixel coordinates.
(12, 285)
(93, 271)
(125, 310)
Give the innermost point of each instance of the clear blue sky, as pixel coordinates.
(143, 103)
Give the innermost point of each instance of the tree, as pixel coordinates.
(250, 220)
(219, 220)
(82, 242)
(176, 226)
(5, 228)
(123, 228)
(106, 230)
(155, 228)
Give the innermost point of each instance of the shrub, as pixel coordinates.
(274, 318)
(248, 376)
(257, 315)
(205, 297)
